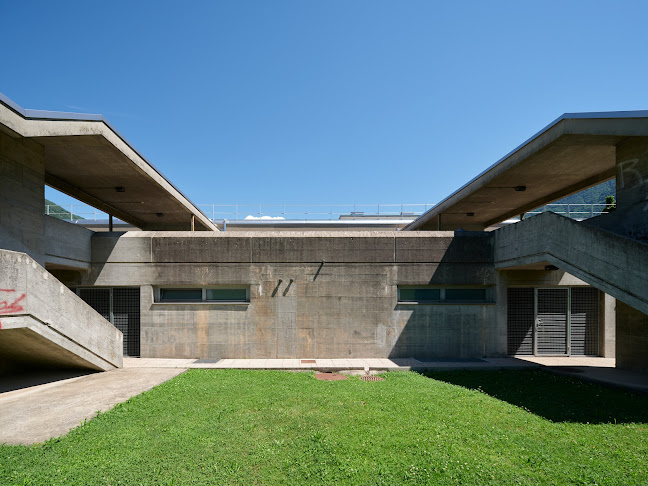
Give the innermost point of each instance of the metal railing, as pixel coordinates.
(243, 212)
(74, 212)
(573, 211)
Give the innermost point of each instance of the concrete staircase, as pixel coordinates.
(45, 324)
(615, 264)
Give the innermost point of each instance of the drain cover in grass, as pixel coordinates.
(371, 378)
(329, 376)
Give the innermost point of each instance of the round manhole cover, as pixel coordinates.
(371, 378)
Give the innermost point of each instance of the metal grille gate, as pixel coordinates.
(553, 321)
(121, 307)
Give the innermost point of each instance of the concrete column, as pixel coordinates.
(22, 197)
(607, 326)
(631, 338)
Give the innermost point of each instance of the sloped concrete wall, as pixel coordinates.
(319, 294)
(42, 322)
(67, 245)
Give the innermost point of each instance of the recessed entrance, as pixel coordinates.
(558, 321)
(121, 307)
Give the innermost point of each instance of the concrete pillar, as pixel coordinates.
(608, 326)
(631, 338)
(22, 196)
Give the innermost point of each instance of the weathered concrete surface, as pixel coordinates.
(43, 322)
(36, 414)
(610, 262)
(22, 196)
(631, 338)
(631, 215)
(320, 294)
(66, 245)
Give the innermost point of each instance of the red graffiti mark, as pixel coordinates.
(0, 325)
(7, 307)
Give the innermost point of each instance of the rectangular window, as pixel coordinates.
(180, 295)
(225, 295)
(409, 294)
(406, 294)
(465, 295)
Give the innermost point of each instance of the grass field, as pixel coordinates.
(267, 427)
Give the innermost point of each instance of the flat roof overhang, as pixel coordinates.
(87, 159)
(574, 152)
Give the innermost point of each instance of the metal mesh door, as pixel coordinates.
(551, 331)
(520, 313)
(98, 299)
(585, 321)
(121, 307)
(126, 318)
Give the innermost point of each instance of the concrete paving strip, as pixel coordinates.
(36, 414)
(334, 364)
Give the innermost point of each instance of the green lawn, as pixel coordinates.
(265, 427)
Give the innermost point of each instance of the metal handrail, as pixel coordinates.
(301, 212)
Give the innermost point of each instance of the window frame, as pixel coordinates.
(157, 295)
(488, 295)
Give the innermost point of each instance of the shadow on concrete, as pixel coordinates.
(450, 329)
(553, 397)
(28, 378)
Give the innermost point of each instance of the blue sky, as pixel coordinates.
(294, 102)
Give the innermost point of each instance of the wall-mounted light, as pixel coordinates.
(551, 268)
(520, 188)
(120, 189)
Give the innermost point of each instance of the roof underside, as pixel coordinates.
(575, 152)
(88, 160)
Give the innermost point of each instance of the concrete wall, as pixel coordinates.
(312, 294)
(66, 245)
(42, 322)
(22, 196)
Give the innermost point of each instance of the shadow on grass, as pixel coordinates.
(556, 398)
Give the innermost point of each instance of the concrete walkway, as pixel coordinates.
(38, 413)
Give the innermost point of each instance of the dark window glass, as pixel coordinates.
(419, 295)
(465, 295)
(228, 295)
(180, 295)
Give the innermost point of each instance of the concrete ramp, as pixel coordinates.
(615, 264)
(43, 323)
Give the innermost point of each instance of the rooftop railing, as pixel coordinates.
(316, 212)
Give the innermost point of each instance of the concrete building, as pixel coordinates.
(442, 287)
